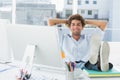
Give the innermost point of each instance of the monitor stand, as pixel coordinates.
(27, 62)
(28, 58)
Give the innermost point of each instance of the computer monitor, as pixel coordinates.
(47, 51)
(5, 54)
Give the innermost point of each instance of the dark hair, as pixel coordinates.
(76, 17)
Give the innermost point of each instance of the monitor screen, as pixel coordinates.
(47, 51)
(5, 54)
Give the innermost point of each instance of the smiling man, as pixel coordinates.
(85, 51)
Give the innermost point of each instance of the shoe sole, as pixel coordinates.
(94, 48)
(104, 56)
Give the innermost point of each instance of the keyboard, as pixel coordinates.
(43, 75)
(4, 67)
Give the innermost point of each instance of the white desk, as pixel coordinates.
(10, 74)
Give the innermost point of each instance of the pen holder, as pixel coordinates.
(80, 74)
(70, 75)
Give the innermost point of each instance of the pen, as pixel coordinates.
(68, 67)
(73, 65)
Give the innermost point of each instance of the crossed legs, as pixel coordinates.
(99, 59)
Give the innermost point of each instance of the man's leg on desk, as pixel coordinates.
(102, 63)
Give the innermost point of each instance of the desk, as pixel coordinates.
(10, 74)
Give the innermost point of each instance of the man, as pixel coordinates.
(85, 51)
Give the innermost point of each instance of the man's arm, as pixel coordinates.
(55, 21)
(100, 23)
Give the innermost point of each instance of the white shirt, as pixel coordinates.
(77, 50)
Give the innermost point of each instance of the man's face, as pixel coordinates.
(76, 27)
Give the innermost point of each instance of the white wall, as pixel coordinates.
(103, 7)
(115, 17)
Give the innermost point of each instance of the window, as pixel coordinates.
(95, 13)
(35, 14)
(79, 2)
(5, 11)
(69, 2)
(68, 13)
(27, 11)
(89, 12)
(94, 2)
(82, 11)
(86, 2)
